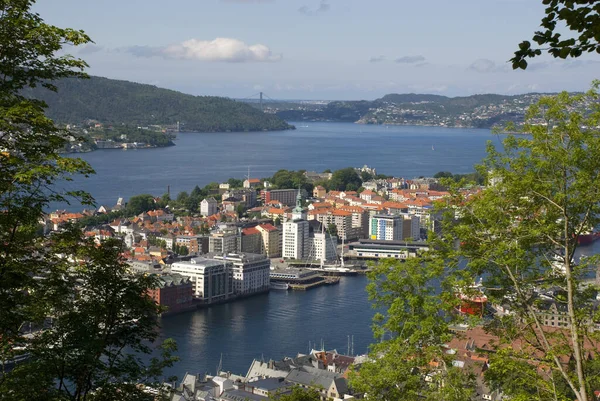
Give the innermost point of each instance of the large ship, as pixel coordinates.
(587, 237)
(472, 300)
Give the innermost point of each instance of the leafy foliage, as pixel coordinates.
(77, 283)
(417, 311)
(521, 234)
(121, 102)
(133, 134)
(300, 394)
(346, 179)
(581, 16)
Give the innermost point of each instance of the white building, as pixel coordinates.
(296, 241)
(323, 247)
(208, 207)
(250, 272)
(386, 227)
(212, 280)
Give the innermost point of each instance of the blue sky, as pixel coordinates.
(317, 49)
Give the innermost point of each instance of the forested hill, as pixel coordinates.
(112, 101)
(481, 111)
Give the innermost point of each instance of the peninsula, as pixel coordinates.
(114, 103)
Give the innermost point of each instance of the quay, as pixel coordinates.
(301, 279)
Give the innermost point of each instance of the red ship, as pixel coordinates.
(588, 237)
(473, 301)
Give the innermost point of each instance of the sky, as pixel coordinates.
(317, 49)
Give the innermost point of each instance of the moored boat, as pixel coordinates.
(278, 285)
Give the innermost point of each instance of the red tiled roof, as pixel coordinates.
(268, 227)
(250, 231)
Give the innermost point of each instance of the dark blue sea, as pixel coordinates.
(280, 323)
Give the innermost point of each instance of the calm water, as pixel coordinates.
(272, 325)
(279, 323)
(200, 158)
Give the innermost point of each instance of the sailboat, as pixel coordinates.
(432, 148)
(338, 268)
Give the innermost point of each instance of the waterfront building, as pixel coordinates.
(386, 227)
(208, 207)
(375, 249)
(271, 240)
(174, 291)
(295, 275)
(285, 196)
(212, 280)
(323, 246)
(250, 271)
(296, 244)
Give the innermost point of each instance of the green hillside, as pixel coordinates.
(479, 111)
(122, 102)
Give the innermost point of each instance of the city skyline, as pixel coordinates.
(317, 49)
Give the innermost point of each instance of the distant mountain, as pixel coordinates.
(479, 111)
(122, 102)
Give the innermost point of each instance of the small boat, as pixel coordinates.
(278, 285)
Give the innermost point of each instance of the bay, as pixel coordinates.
(277, 324)
(201, 158)
(273, 325)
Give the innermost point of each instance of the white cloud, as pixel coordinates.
(219, 49)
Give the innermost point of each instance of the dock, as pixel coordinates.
(313, 284)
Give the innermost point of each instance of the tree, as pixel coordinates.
(235, 183)
(581, 16)
(102, 321)
(332, 229)
(300, 394)
(411, 334)
(30, 163)
(38, 276)
(140, 204)
(341, 179)
(521, 234)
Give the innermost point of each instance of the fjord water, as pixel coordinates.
(272, 325)
(201, 158)
(280, 323)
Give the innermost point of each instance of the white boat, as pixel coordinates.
(278, 285)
